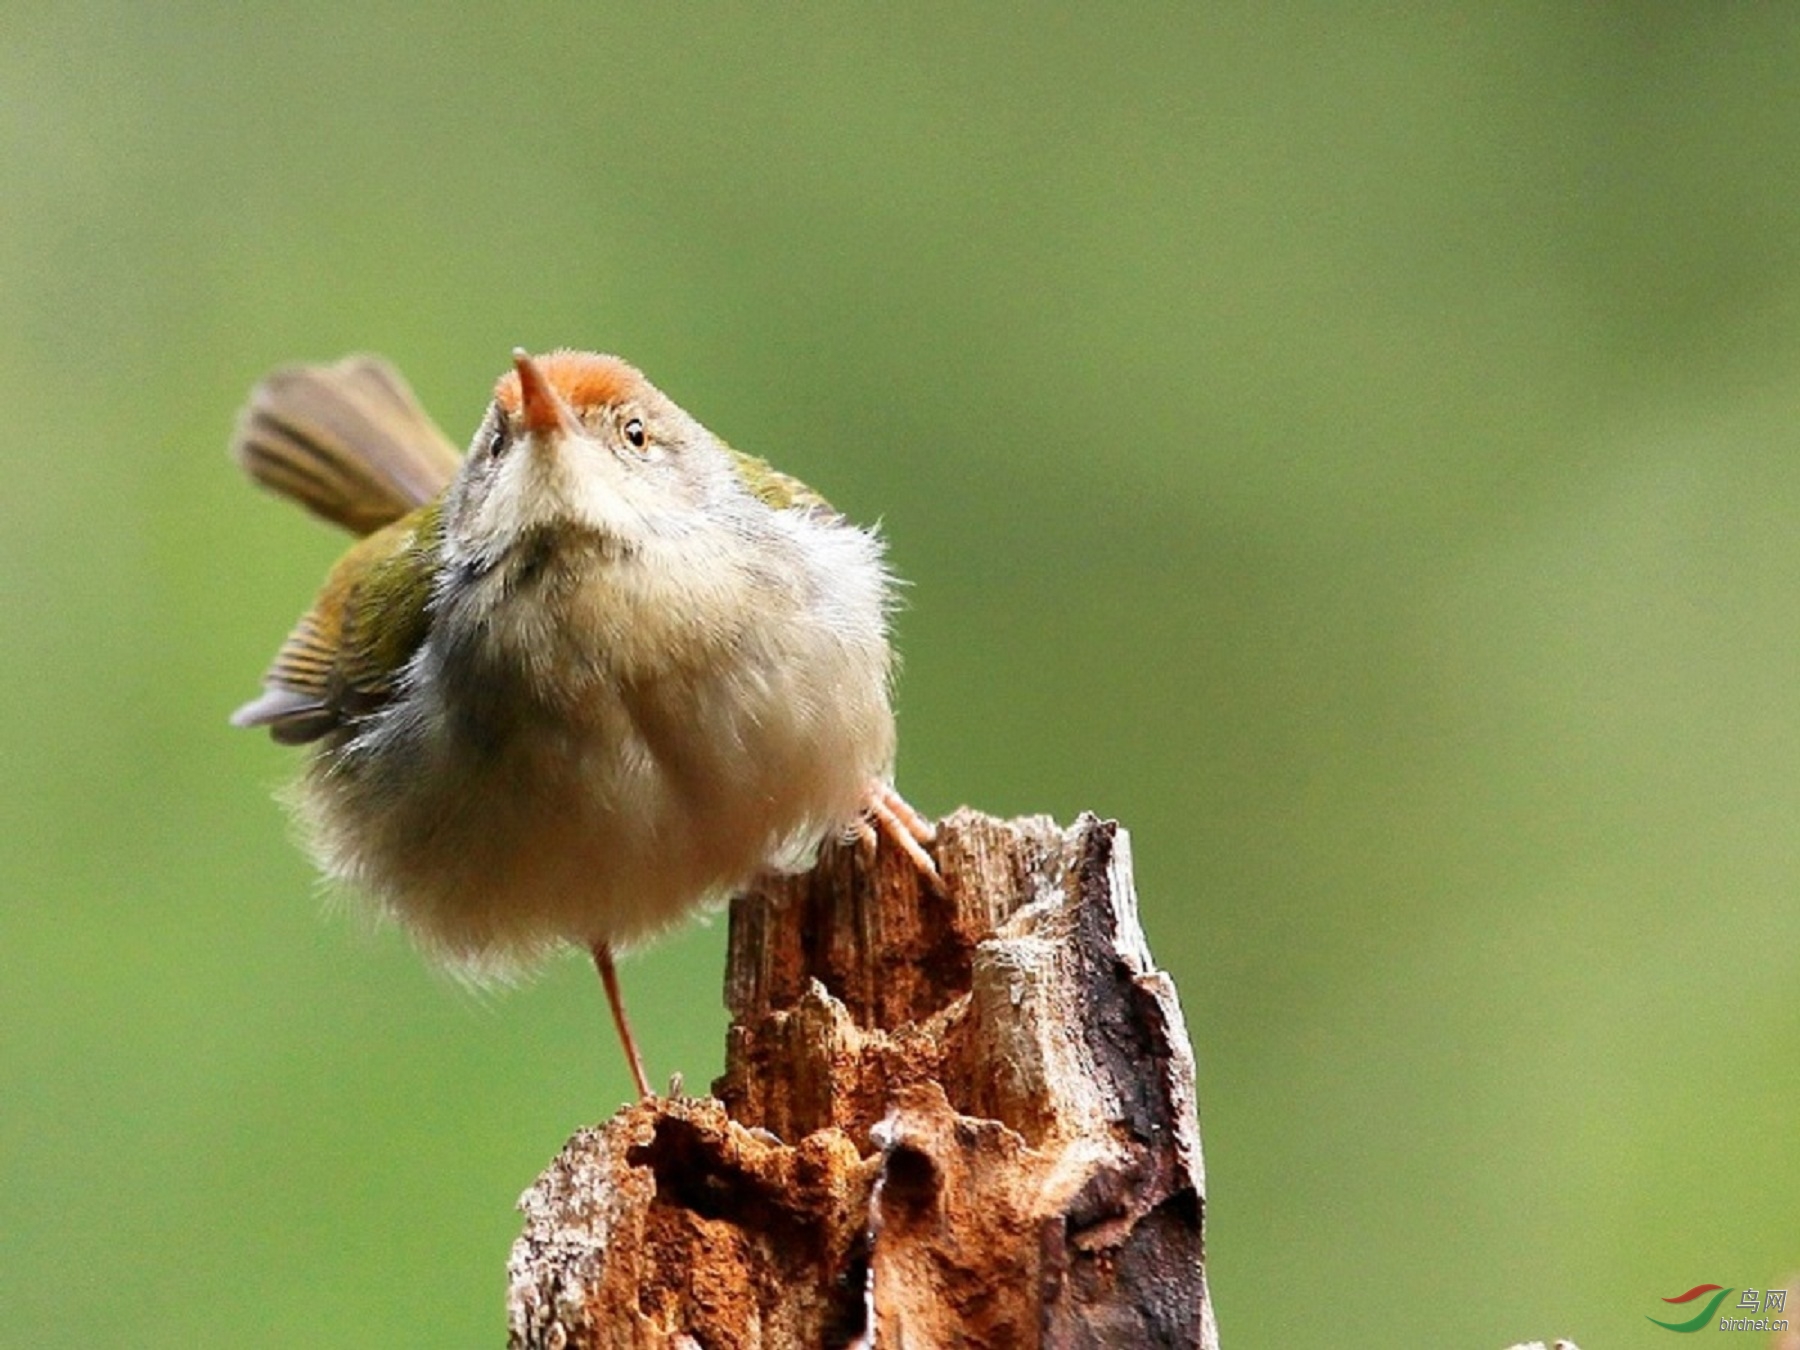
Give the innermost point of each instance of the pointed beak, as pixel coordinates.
(541, 407)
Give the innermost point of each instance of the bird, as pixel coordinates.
(566, 689)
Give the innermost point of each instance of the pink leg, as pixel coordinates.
(603, 962)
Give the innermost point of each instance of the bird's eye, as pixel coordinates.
(635, 435)
(496, 441)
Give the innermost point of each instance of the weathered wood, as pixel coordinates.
(946, 1120)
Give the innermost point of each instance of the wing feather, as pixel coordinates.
(344, 658)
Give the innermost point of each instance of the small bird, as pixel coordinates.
(597, 673)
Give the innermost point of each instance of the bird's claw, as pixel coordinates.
(891, 814)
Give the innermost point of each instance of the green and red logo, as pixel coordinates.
(1705, 1315)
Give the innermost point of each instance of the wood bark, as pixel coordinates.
(956, 1119)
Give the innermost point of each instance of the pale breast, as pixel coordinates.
(660, 774)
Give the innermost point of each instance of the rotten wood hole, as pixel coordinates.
(964, 1119)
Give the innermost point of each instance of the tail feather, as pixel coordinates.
(348, 441)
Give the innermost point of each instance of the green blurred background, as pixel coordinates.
(1358, 452)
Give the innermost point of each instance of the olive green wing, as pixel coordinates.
(776, 489)
(344, 658)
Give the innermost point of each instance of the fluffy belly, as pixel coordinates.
(603, 828)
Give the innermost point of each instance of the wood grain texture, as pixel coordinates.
(957, 1120)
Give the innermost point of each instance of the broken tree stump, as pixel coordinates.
(956, 1120)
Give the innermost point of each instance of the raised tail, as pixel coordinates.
(347, 441)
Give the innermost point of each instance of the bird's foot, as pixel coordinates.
(887, 812)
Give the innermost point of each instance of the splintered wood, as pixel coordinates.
(956, 1120)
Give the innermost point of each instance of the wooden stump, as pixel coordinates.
(956, 1120)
